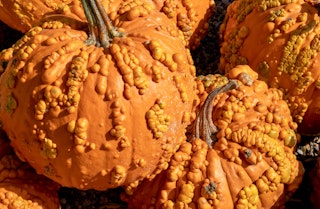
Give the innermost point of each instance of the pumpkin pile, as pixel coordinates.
(101, 94)
(244, 159)
(279, 40)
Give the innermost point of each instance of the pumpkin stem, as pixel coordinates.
(203, 126)
(101, 28)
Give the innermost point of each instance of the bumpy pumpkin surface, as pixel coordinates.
(94, 117)
(20, 185)
(23, 15)
(279, 40)
(247, 162)
(191, 17)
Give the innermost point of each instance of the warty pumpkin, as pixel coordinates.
(99, 117)
(279, 40)
(20, 186)
(239, 154)
(23, 15)
(191, 17)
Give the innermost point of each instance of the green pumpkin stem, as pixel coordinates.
(101, 28)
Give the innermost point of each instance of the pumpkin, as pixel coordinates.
(280, 41)
(20, 185)
(23, 15)
(103, 111)
(239, 153)
(190, 16)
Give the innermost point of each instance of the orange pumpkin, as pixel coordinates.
(244, 158)
(20, 185)
(93, 117)
(280, 41)
(190, 16)
(23, 15)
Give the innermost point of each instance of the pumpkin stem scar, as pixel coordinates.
(101, 28)
(203, 126)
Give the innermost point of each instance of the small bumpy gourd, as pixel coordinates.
(99, 117)
(279, 40)
(238, 155)
(191, 17)
(20, 185)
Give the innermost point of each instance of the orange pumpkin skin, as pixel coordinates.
(93, 118)
(280, 42)
(191, 17)
(23, 15)
(20, 185)
(251, 163)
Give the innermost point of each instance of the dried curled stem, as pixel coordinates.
(203, 126)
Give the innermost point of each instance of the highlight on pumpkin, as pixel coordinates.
(280, 41)
(80, 101)
(249, 163)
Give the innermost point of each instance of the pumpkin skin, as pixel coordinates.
(89, 117)
(250, 164)
(279, 41)
(20, 185)
(23, 15)
(191, 17)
